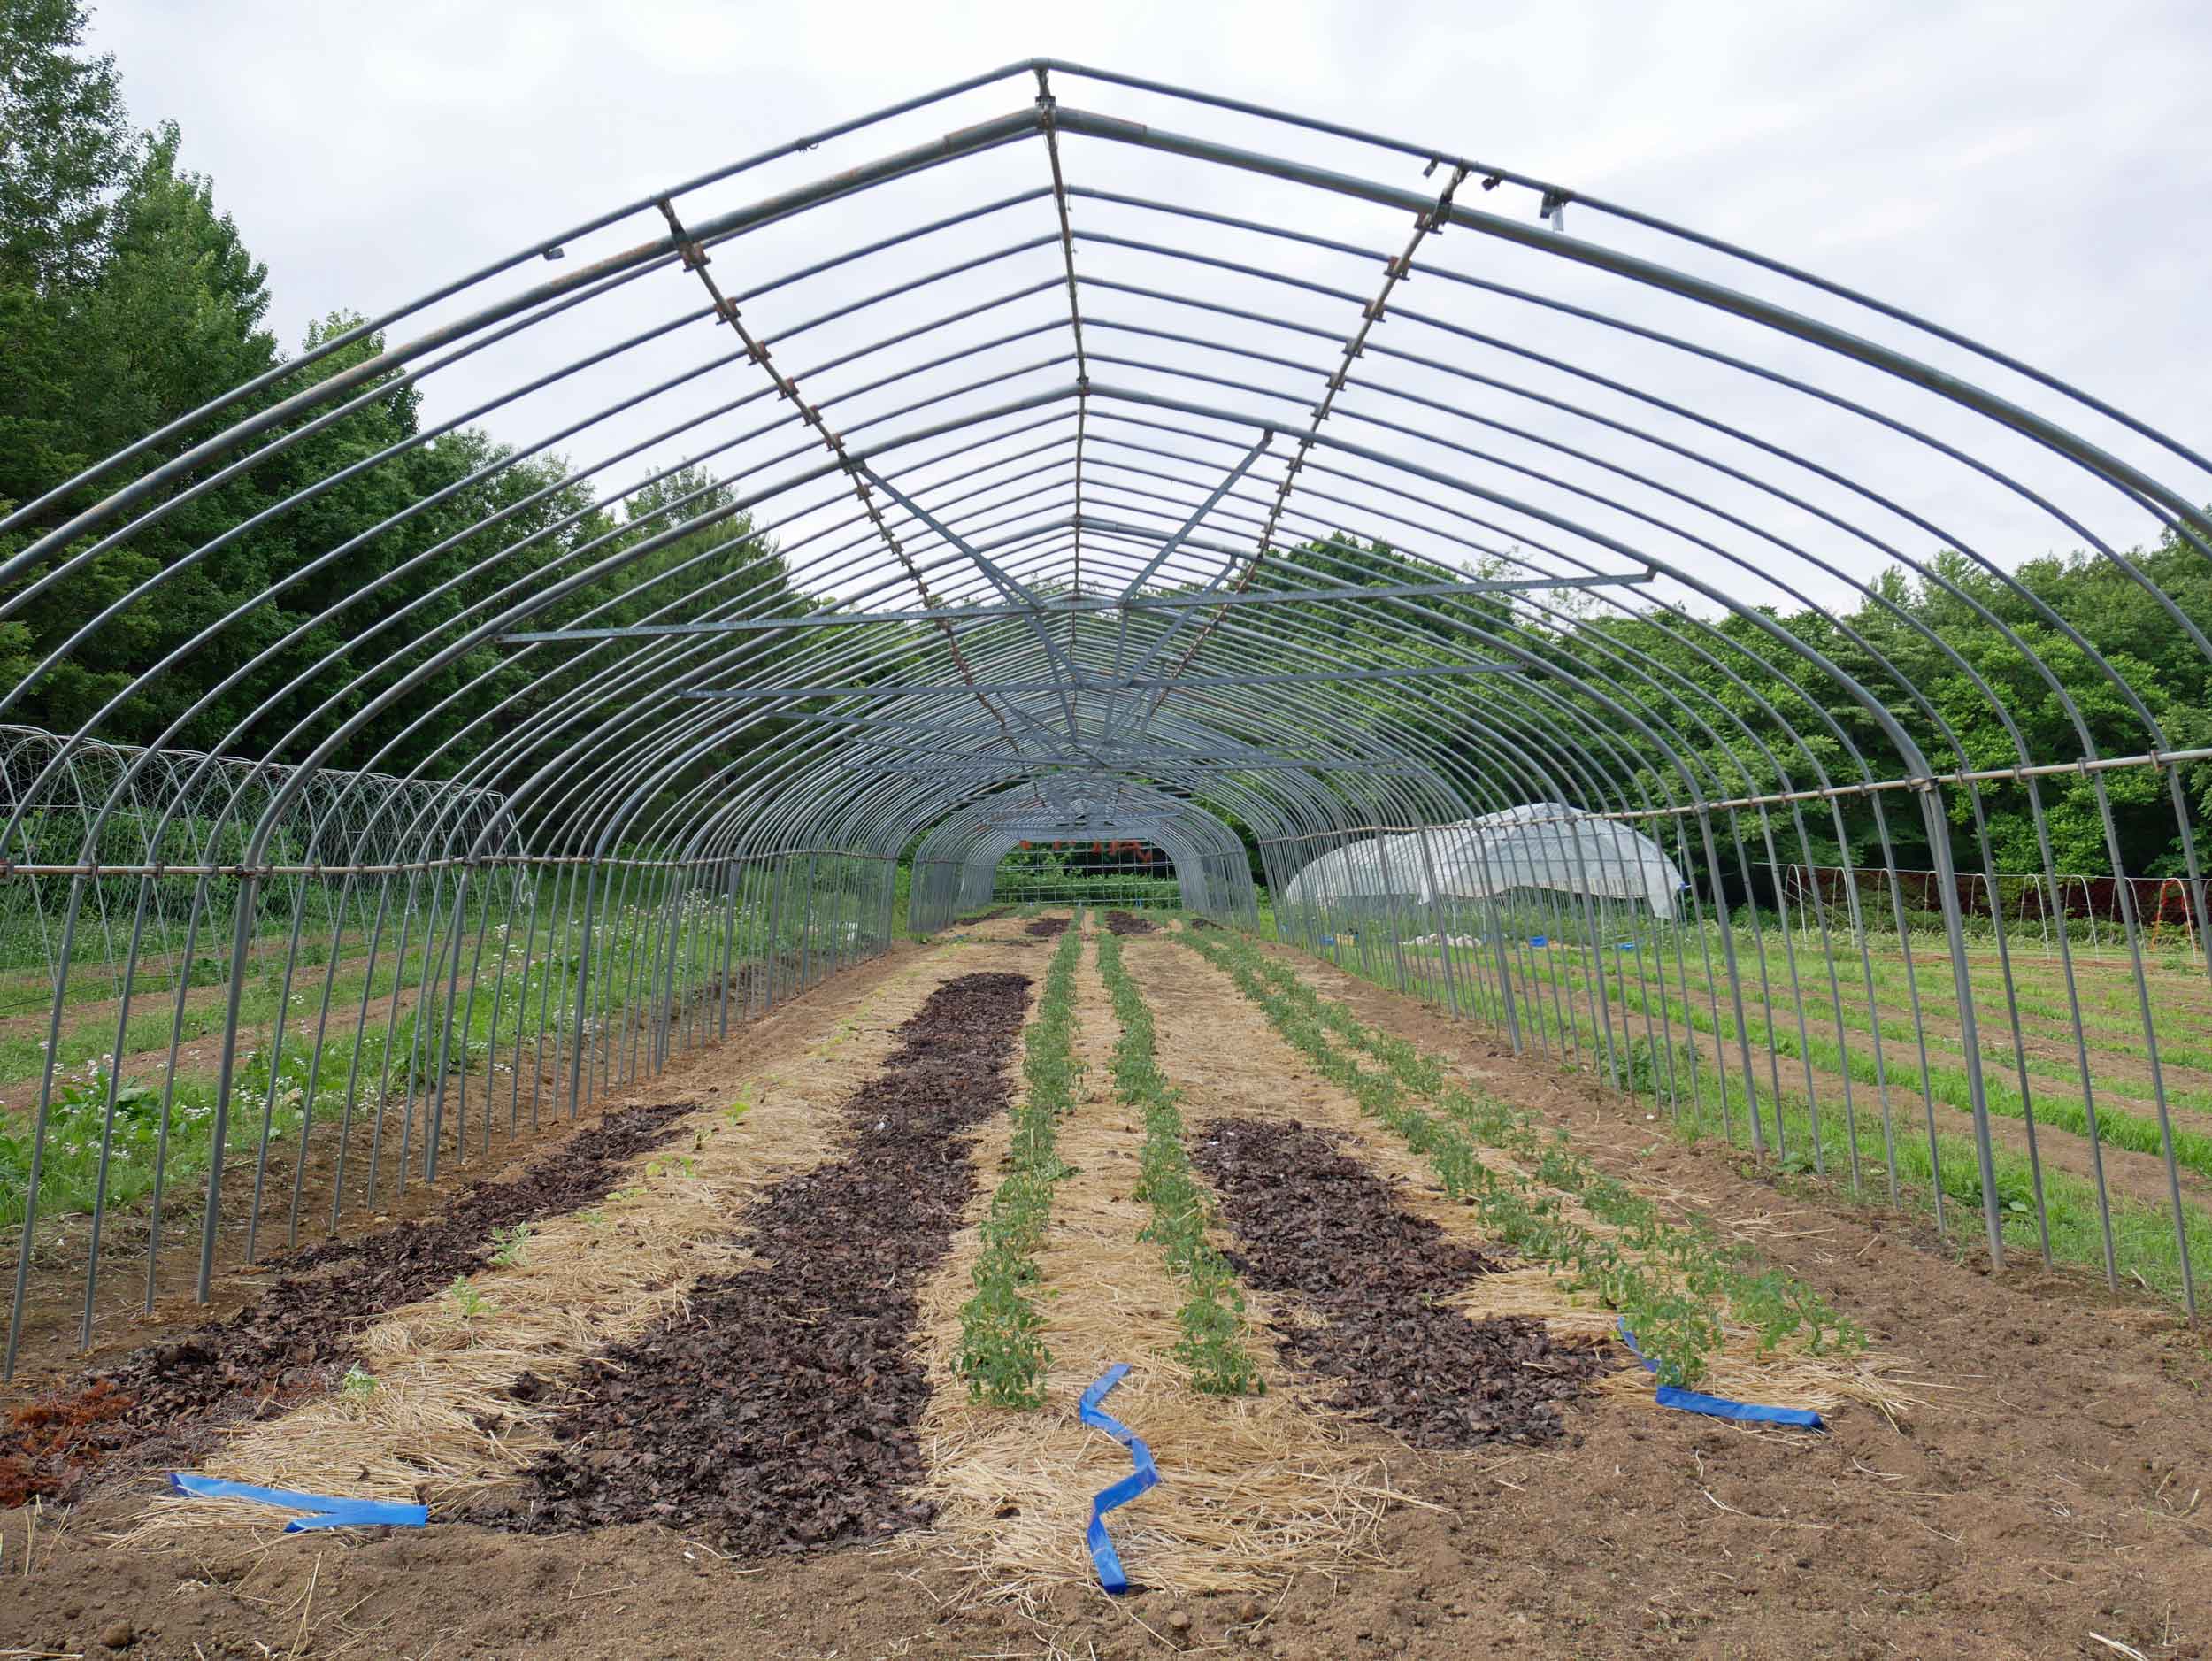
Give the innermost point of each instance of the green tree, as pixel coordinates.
(63, 145)
(65, 150)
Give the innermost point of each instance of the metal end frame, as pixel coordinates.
(1060, 455)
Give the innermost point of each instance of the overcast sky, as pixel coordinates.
(2038, 174)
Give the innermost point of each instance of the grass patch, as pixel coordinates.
(1924, 1164)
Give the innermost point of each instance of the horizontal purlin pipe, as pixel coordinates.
(1109, 684)
(1144, 602)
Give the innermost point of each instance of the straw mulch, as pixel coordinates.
(461, 1403)
(1253, 1491)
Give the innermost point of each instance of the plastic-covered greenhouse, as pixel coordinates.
(1406, 550)
(1541, 845)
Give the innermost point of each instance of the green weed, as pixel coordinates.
(465, 1301)
(512, 1245)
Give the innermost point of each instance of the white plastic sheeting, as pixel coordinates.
(1542, 845)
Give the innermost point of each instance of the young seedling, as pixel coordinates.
(1002, 1352)
(467, 1302)
(360, 1382)
(510, 1244)
(1212, 1344)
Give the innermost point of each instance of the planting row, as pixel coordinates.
(1002, 1355)
(1672, 1281)
(1214, 1344)
(777, 1410)
(297, 1340)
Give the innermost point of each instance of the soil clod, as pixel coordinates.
(1127, 923)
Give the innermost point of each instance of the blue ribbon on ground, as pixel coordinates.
(1103, 1557)
(1720, 1406)
(326, 1510)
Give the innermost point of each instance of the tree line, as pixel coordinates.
(1979, 672)
(129, 299)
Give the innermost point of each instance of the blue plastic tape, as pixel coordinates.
(327, 1510)
(1720, 1406)
(1103, 1557)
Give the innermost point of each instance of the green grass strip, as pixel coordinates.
(1213, 1344)
(2136, 1133)
(1002, 1351)
(2144, 1246)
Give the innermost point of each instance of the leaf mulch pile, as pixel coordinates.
(1128, 923)
(1049, 927)
(1310, 1221)
(164, 1403)
(779, 1411)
